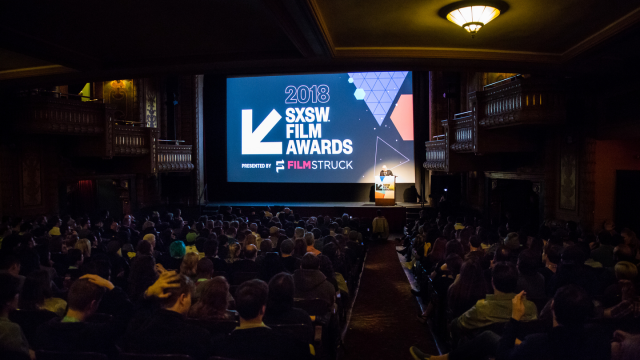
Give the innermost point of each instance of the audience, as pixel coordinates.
(12, 340)
(213, 302)
(74, 333)
(311, 283)
(166, 330)
(253, 339)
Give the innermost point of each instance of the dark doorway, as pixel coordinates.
(515, 202)
(628, 199)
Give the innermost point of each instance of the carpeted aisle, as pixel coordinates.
(383, 323)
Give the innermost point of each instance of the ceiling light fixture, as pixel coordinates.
(473, 15)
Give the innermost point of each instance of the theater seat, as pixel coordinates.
(56, 355)
(299, 332)
(128, 356)
(240, 277)
(313, 307)
(29, 320)
(221, 327)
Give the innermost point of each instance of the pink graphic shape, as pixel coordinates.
(402, 117)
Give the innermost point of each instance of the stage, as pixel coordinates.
(396, 215)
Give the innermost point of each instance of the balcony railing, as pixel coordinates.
(521, 101)
(131, 140)
(463, 131)
(51, 115)
(173, 157)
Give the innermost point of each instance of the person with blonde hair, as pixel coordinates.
(189, 265)
(84, 245)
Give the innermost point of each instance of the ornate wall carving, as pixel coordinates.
(120, 94)
(31, 179)
(568, 177)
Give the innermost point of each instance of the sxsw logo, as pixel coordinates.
(252, 140)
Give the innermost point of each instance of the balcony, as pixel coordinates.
(436, 154)
(131, 140)
(173, 157)
(38, 114)
(520, 101)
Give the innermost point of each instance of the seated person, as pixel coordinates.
(211, 253)
(310, 282)
(204, 272)
(73, 333)
(291, 263)
(11, 337)
(248, 264)
(214, 301)
(280, 308)
(568, 339)
(166, 331)
(253, 339)
(496, 307)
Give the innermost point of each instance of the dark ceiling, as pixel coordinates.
(44, 42)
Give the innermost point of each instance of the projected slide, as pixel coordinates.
(325, 128)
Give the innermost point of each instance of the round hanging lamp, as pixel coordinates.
(473, 15)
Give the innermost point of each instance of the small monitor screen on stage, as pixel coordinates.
(325, 128)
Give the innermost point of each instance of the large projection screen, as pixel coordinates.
(321, 128)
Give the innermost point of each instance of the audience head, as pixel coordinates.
(286, 247)
(512, 241)
(503, 254)
(552, 254)
(211, 248)
(623, 252)
(189, 264)
(626, 270)
(505, 277)
(310, 262)
(528, 262)
(142, 275)
(573, 256)
(251, 299)
(144, 248)
(454, 262)
(572, 306)
(84, 296)
(179, 299)
(281, 291)
(266, 246)
(151, 239)
(605, 238)
(204, 270)
(308, 238)
(214, 299)
(177, 249)
(299, 233)
(299, 248)
(250, 252)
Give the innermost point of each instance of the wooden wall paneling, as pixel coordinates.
(122, 95)
(587, 183)
(191, 128)
(568, 176)
(31, 177)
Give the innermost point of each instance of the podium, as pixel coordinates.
(385, 190)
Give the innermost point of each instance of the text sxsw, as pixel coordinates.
(303, 122)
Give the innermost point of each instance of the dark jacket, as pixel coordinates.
(560, 343)
(291, 264)
(312, 284)
(262, 343)
(289, 316)
(167, 332)
(56, 335)
(244, 266)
